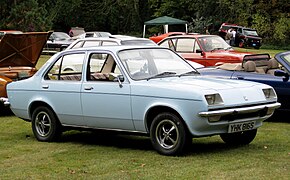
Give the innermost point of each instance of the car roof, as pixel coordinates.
(190, 36)
(116, 48)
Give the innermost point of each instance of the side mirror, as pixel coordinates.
(199, 51)
(281, 73)
(119, 79)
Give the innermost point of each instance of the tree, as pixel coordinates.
(28, 16)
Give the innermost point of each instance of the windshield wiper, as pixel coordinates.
(163, 74)
(189, 73)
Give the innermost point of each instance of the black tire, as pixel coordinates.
(45, 125)
(239, 138)
(241, 44)
(168, 134)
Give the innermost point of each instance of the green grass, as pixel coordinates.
(88, 155)
(260, 51)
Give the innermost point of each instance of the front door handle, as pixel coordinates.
(240, 77)
(88, 88)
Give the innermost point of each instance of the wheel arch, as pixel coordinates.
(36, 104)
(154, 111)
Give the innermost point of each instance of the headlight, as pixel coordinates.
(269, 93)
(213, 99)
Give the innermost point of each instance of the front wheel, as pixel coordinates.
(241, 44)
(168, 134)
(45, 125)
(239, 138)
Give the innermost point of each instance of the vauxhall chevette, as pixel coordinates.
(139, 89)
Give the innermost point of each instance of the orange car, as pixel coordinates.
(156, 39)
(19, 54)
(208, 50)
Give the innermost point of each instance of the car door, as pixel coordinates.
(281, 87)
(106, 102)
(61, 88)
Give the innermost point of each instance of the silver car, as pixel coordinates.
(140, 89)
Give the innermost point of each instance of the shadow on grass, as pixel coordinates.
(5, 111)
(125, 141)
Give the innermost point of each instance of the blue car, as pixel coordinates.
(260, 68)
(141, 89)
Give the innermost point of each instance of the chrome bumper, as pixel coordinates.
(243, 110)
(4, 101)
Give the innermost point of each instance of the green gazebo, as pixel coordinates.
(165, 21)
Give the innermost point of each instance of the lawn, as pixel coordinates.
(95, 155)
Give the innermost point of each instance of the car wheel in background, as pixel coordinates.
(241, 44)
(169, 135)
(45, 125)
(239, 138)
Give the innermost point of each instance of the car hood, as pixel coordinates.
(194, 88)
(226, 54)
(254, 37)
(22, 49)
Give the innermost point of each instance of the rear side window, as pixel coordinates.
(68, 67)
(109, 43)
(185, 45)
(91, 43)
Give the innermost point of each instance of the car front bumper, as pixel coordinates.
(240, 112)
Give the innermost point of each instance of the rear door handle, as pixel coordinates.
(45, 86)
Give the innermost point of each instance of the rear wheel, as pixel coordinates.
(168, 134)
(45, 125)
(239, 138)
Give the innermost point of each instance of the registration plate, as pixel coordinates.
(238, 127)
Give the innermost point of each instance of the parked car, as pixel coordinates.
(223, 30)
(143, 89)
(97, 34)
(19, 54)
(57, 41)
(247, 37)
(208, 50)
(110, 41)
(103, 41)
(260, 68)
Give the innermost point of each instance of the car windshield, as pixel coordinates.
(61, 36)
(250, 32)
(154, 63)
(212, 43)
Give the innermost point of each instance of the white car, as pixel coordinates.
(140, 89)
(112, 40)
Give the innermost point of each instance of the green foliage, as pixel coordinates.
(281, 30)
(270, 18)
(28, 16)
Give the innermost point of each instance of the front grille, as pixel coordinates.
(235, 116)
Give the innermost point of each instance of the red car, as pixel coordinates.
(158, 38)
(208, 50)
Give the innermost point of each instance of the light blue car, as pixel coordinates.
(142, 89)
